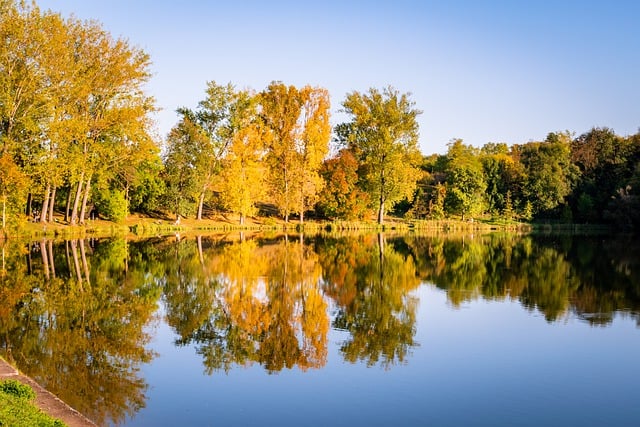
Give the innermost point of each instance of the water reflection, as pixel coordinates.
(244, 302)
(77, 315)
(591, 278)
(73, 317)
(371, 283)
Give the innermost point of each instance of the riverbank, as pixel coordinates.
(46, 401)
(140, 226)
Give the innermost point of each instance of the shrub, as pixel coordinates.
(113, 205)
(17, 389)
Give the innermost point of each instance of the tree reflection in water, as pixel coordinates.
(73, 318)
(77, 315)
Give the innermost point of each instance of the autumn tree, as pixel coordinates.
(297, 123)
(242, 174)
(383, 134)
(110, 106)
(312, 146)
(341, 196)
(23, 98)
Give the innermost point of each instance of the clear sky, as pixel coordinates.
(484, 71)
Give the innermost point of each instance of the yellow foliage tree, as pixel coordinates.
(297, 121)
(242, 176)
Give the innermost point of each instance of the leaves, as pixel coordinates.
(383, 134)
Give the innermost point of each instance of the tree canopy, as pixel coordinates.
(77, 141)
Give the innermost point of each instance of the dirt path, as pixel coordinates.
(46, 401)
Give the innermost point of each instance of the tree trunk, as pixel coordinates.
(76, 201)
(4, 211)
(27, 210)
(45, 205)
(200, 204)
(84, 200)
(28, 256)
(52, 202)
(301, 207)
(68, 207)
(381, 212)
(286, 196)
(241, 219)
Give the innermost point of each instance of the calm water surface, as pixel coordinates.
(325, 330)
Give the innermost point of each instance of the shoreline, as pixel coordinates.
(143, 226)
(46, 401)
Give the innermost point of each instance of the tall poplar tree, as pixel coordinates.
(280, 111)
(242, 175)
(312, 146)
(297, 122)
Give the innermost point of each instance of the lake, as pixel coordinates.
(375, 330)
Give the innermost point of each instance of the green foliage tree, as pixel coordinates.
(113, 204)
(383, 134)
(213, 118)
(183, 180)
(550, 174)
(503, 174)
(465, 180)
(606, 162)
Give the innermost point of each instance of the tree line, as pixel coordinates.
(591, 178)
(76, 137)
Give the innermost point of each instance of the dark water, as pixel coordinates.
(342, 331)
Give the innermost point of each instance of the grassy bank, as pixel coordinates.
(141, 226)
(18, 410)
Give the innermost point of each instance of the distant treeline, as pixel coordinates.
(76, 137)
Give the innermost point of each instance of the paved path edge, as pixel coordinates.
(46, 401)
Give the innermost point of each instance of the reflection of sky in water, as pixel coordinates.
(502, 330)
(490, 363)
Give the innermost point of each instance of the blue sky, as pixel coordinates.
(483, 71)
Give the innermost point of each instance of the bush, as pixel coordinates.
(17, 389)
(113, 205)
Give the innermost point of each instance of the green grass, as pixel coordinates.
(17, 408)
